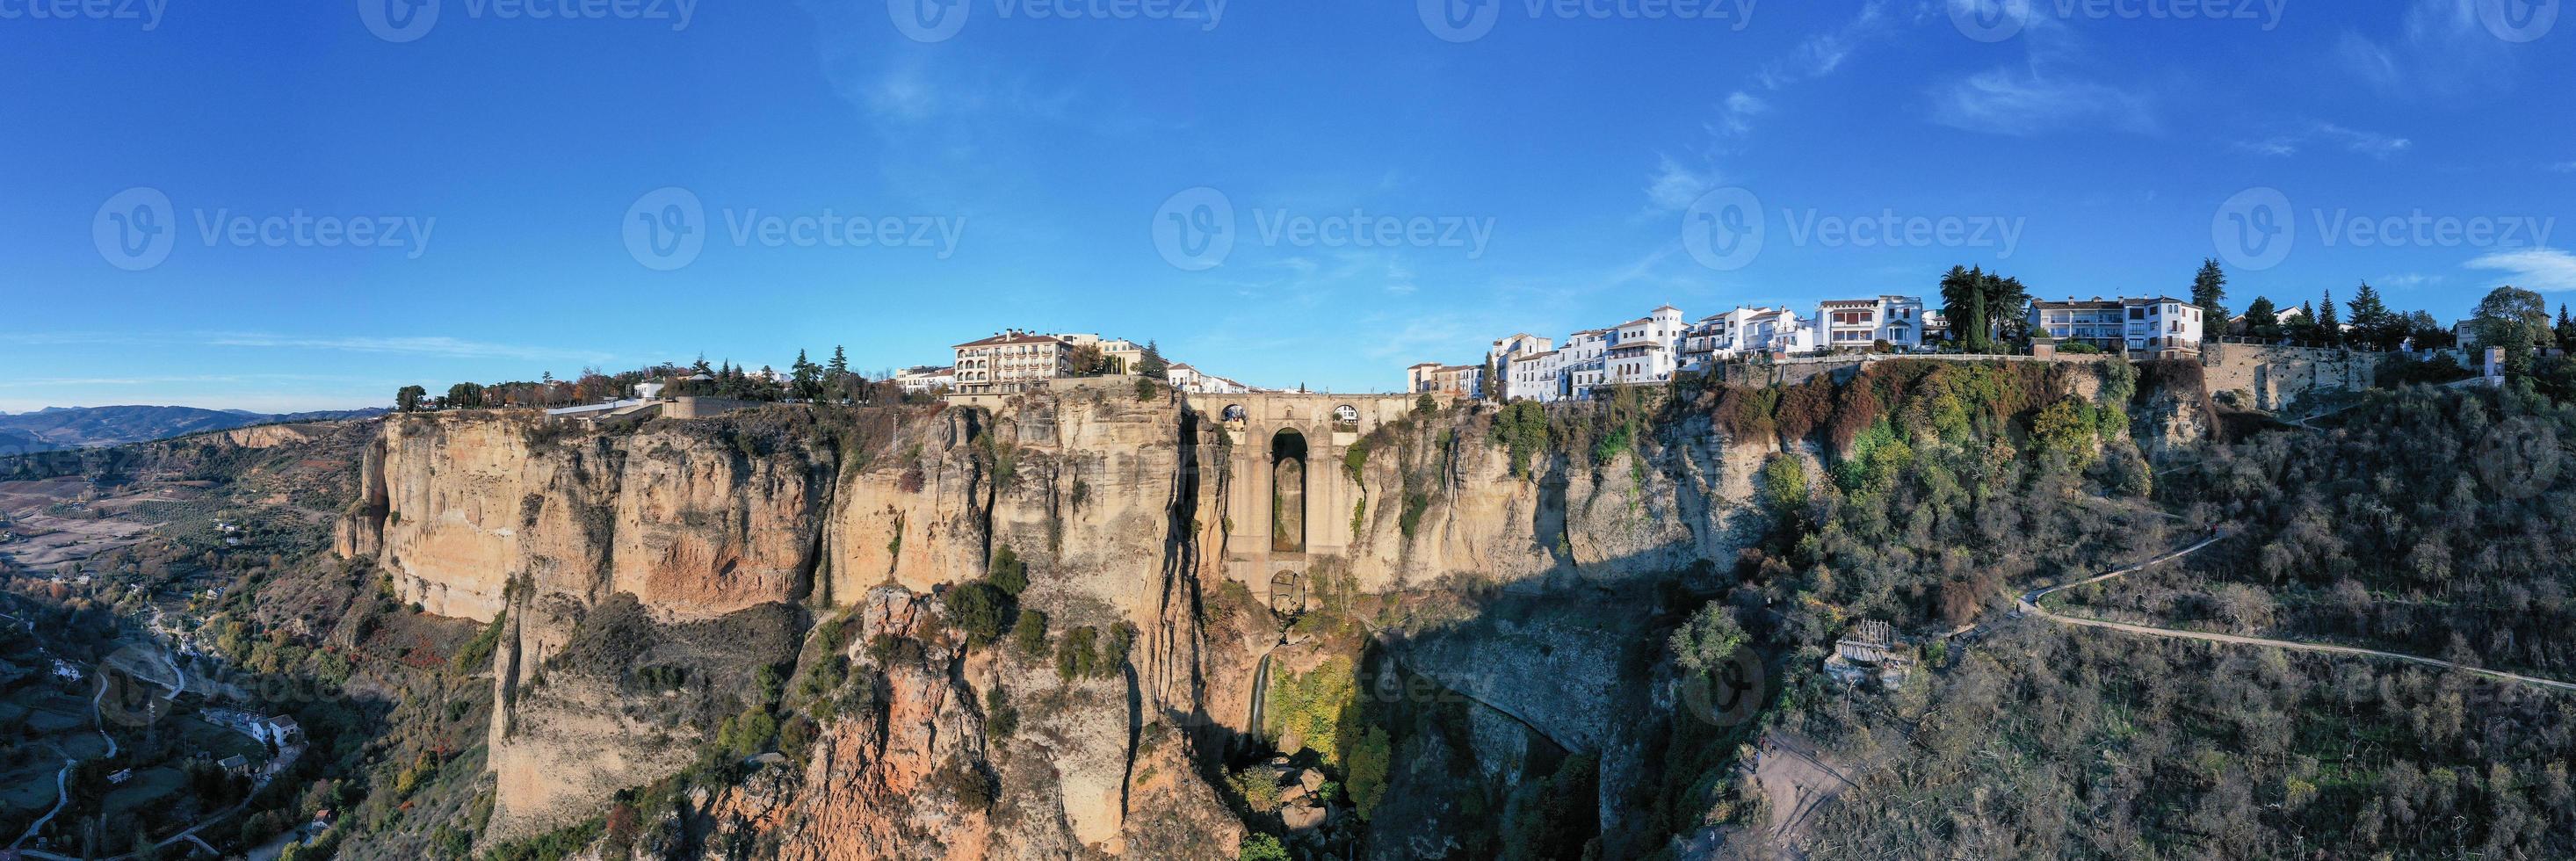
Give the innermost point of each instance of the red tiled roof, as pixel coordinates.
(1009, 338)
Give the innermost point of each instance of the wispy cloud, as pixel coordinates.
(2025, 102)
(2547, 269)
(2049, 91)
(1814, 57)
(1674, 185)
(2440, 49)
(2357, 141)
(2563, 167)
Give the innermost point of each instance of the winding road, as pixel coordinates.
(2029, 603)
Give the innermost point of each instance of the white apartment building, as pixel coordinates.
(2157, 327)
(1128, 353)
(1011, 361)
(1517, 345)
(1859, 324)
(1644, 350)
(1776, 330)
(1580, 361)
(925, 379)
(1535, 376)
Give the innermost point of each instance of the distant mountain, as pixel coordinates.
(54, 428)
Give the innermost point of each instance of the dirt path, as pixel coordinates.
(2029, 603)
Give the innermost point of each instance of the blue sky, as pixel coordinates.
(492, 192)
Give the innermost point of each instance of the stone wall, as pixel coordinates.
(2271, 377)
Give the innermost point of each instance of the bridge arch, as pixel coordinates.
(1288, 491)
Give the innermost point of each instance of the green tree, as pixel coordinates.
(1262, 847)
(2373, 324)
(1703, 644)
(1008, 571)
(1370, 759)
(1150, 364)
(1030, 633)
(2262, 319)
(1985, 310)
(2329, 324)
(980, 610)
(407, 399)
(465, 396)
(2515, 319)
(2566, 329)
(2428, 333)
(2209, 289)
(804, 378)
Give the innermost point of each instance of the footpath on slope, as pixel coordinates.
(2029, 603)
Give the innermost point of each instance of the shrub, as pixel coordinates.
(476, 655)
(1008, 571)
(1029, 633)
(979, 611)
(1262, 847)
(1001, 719)
(1370, 757)
(1076, 659)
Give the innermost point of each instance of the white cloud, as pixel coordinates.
(2563, 167)
(2440, 49)
(2025, 102)
(1675, 185)
(2357, 141)
(2047, 92)
(2546, 269)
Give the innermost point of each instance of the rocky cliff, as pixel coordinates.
(660, 591)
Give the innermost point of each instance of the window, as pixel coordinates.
(2137, 312)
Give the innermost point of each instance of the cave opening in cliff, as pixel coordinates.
(1288, 492)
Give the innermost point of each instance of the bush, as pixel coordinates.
(1262, 847)
(1008, 571)
(476, 655)
(1029, 633)
(1370, 757)
(979, 610)
(1076, 658)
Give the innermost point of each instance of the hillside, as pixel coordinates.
(55, 428)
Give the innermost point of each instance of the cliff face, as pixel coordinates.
(712, 550)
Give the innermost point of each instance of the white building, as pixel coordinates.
(926, 379)
(2159, 327)
(1580, 361)
(1536, 376)
(1517, 345)
(1128, 353)
(1859, 324)
(1194, 381)
(1777, 331)
(1644, 350)
(1011, 361)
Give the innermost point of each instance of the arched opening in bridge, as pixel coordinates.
(1288, 492)
(1288, 593)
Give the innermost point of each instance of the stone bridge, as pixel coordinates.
(1289, 501)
